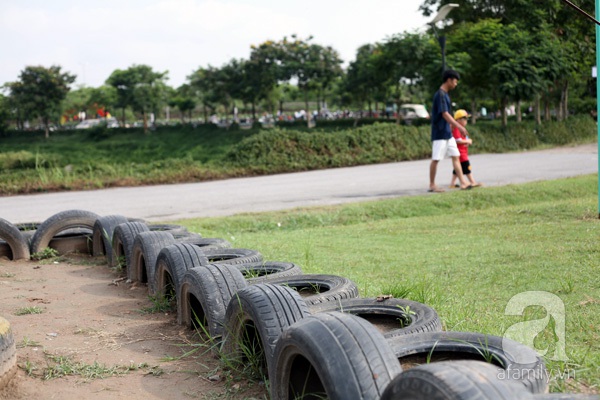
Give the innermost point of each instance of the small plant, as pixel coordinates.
(28, 367)
(567, 286)
(29, 310)
(160, 303)
(406, 319)
(398, 291)
(7, 275)
(26, 342)
(45, 254)
(121, 263)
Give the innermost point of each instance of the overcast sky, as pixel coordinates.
(91, 39)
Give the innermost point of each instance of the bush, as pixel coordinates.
(281, 150)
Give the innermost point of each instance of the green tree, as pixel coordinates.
(40, 91)
(140, 88)
(4, 114)
(405, 62)
(184, 99)
(362, 83)
(201, 84)
(311, 66)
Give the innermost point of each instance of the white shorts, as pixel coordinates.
(444, 148)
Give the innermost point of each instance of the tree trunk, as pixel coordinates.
(46, 129)
(253, 111)
(518, 111)
(547, 116)
(145, 122)
(123, 112)
(473, 111)
(565, 100)
(537, 110)
(504, 116)
(205, 113)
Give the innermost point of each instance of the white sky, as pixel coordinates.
(91, 39)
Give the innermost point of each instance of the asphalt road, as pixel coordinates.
(304, 189)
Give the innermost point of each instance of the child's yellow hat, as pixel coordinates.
(461, 114)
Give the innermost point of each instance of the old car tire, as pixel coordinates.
(392, 317)
(210, 243)
(254, 319)
(457, 380)
(204, 295)
(519, 362)
(171, 264)
(332, 355)
(145, 250)
(123, 238)
(232, 256)
(319, 288)
(15, 241)
(104, 228)
(264, 272)
(60, 222)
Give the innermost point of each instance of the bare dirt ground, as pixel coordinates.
(90, 322)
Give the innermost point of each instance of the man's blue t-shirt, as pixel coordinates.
(440, 129)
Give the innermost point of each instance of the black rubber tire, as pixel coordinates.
(255, 318)
(204, 295)
(456, 380)
(17, 243)
(392, 317)
(333, 356)
(173, 229)
(210, 243)
(264, 272)
(145, 250)
(8, 353)
(60, 222)
(232, 256)
(123, 238)
(104, 228)
(172, 263)
(72, 241)
(516, 359)
(319, 288)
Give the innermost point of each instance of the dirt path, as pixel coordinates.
(88, 319)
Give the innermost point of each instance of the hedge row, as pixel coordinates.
(281, 150)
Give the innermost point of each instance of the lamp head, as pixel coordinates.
(443, 12)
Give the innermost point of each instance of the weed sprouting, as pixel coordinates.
(45, 254)
(160, 304)
(29, 310)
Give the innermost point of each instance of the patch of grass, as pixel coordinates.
(26, 342)
(29, 310)
(45, 254)
(7, 275)
(59, 366)
(466, 254)
(160, 304)
(28, 367)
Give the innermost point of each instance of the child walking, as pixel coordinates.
(463, 142)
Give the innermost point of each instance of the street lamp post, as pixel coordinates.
(441, 15)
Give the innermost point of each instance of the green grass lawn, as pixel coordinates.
(464, 253)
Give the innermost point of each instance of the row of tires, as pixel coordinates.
(316, 338)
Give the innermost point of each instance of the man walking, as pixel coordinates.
(442, 121)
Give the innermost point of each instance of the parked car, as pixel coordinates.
(88, 123)
(411, 112)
